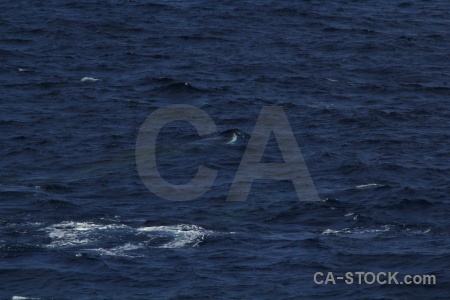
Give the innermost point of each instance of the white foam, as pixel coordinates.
(418, 232)
(23, 298)
(331, 231)
(90, 79)
(364, 233)
(120, 239)
(368, 186)
(359, 232)
(182, 235)
(69, 233)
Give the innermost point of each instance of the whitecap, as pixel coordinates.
(368, 186)
(359, 232)
(90, 79)
(331, 231)
(370, 232)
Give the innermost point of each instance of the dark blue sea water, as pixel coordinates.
(365, 86)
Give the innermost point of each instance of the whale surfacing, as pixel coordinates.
(227, 137)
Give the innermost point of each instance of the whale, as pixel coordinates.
(233, 136)
(118, 161)
(227, 137)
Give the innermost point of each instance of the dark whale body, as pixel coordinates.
(234, 135)
(227, 137)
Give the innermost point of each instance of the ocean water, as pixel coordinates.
(365, 86)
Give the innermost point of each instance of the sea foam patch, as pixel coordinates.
(368, 186)
(67, 234)
(90, 79)
(359, 232)
(181, 235)
(370, 232)
(121, 239)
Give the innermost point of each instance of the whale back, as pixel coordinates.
(232, 133)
